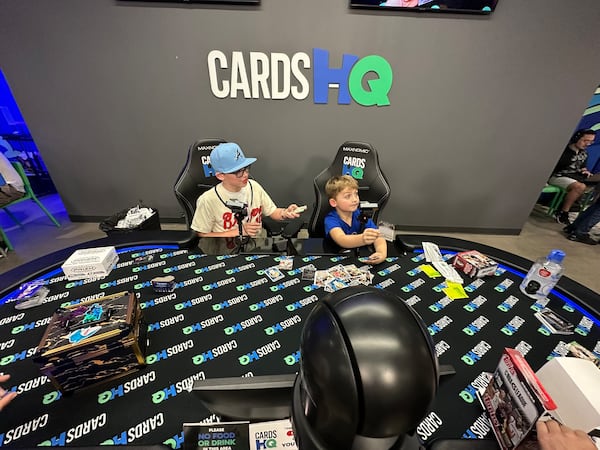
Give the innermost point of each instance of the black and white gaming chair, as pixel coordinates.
(196, 177)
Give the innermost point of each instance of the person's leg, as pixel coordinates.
(586, 220)
(574, 189)
(579, 229)
(9, 194)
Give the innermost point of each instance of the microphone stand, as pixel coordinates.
(242, 240)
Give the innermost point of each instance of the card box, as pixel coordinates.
(475, 264)
(90, 263)
(574, 384)
(93, 341)
(514, 400)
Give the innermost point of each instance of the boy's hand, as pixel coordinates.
(289, 212)
(375, 258)
(251, 228)
(370, 235)
(5, 397)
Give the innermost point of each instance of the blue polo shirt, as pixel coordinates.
(333, 220)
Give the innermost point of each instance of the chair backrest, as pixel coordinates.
(197, 176)
(360, 160)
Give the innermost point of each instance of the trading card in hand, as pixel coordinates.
(308, 272)
(274, 273)
(286, 262)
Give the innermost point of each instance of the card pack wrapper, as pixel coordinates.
(93, 341)
(474, 264)
(514, 400)
(90, 263)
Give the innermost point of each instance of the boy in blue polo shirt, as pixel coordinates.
(344, 225)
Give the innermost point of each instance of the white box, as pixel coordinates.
(276, 434)
(90, 263)
(574, 384)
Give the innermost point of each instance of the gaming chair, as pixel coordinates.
(198, 176)
(359, 160)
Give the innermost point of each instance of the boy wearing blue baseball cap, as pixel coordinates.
(236, 196)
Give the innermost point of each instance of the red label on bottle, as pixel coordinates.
(544, 273)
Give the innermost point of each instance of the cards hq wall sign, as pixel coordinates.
(277, 76)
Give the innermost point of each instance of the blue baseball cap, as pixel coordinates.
(229, 158)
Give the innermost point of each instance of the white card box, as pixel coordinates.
(574, 385)
(94, 262)
(276, 435)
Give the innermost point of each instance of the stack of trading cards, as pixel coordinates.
(554, 322)
(339, 277)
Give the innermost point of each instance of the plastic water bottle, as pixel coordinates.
(543, 275)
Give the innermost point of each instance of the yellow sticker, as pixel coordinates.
(454, 291)
(430, 271)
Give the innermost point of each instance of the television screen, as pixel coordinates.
(454, 6)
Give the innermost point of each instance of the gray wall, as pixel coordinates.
(481, 107)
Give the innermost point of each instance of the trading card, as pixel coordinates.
(338, 272)
(579, 351)
(274, 273)
(321, 278)
(143, 259)
(286, 262)
(554, 322)
(308, 273)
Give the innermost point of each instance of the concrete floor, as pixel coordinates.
(38, 237)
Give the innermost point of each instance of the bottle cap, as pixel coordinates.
(556, 255)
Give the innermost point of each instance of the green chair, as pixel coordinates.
(29, 195)
(559, 196)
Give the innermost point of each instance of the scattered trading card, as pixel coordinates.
(579, 351)
(31, 294)
(322, 277)
(554, 322)
(286, 262)
(274, 273)
(308, 273)
(143, 259)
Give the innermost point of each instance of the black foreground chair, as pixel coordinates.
(360, 160)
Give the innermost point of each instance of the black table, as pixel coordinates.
(226, 318)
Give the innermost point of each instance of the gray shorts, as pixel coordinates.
(563, 182)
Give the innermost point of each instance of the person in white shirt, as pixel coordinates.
(216, 211)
